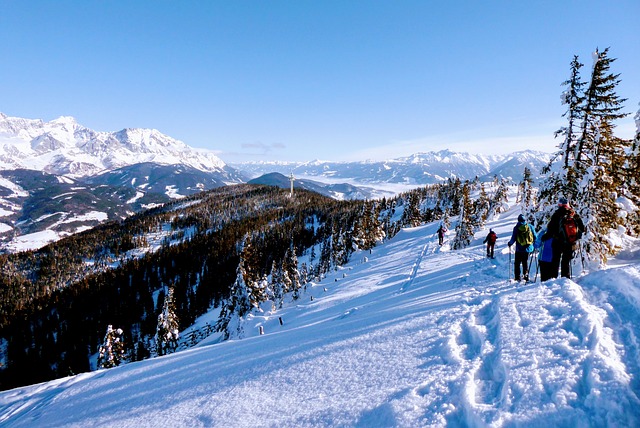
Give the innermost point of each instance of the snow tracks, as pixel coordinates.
(530, 356)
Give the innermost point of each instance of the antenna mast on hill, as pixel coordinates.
(291, 179)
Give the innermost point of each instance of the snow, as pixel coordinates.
(18, 192)
(409, 335)
(136, 197)
(32, 241)
(64, 147)
(5, 227)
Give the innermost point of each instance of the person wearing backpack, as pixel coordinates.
(566, 228)
(545, 259)
(490, 240)
(523, 236)
(441, 233)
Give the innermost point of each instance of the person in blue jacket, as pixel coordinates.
(545, 257)
(524, 237)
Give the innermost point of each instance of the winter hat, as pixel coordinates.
(563, 201)
(521, 218)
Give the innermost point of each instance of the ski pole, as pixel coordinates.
(509, 279)
(537, 267)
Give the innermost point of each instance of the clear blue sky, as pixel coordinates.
(304, 80)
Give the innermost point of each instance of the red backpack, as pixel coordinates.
(569, 228)
(492, 238)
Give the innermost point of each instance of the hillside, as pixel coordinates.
(411, 334)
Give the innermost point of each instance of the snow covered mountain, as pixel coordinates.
(411, 171)
(64, 147)
(409, 335)
(59, 177)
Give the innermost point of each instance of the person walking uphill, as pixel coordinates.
(523, 236)
(490, 240)
(441, 231)
(565, 228)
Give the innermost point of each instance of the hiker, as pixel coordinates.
(523, 236)
(441, 233)
(490, 240)
(545, 257)
(565, 228)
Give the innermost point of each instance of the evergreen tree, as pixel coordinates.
(277, 285)
(600, 160)
(633, 181)
(560, 176)
(464, 228)
(167, 331)
(112, 350)
(291, 273)
(481, 207)
(411, 216)
(526, 193)
(235, 307)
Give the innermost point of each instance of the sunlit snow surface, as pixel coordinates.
(411, 335)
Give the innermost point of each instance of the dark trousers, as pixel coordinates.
(522, 258)
(562, 255)
(490, 249)
(546, 271)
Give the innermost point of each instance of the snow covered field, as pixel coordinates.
(411, 335)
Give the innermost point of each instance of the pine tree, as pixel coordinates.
(235, 307)
(600, 160)
(464, 228)
(632, 190)
(291, 273)
(481, 207)
(498, 202)
(277, 285)
(411, 216)
(112, 350)
(560, 176)
(526, 191)
(168, 330)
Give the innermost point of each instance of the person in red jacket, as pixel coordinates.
(490, 240)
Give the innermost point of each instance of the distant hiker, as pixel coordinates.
(490, 240)
(566, 228)
(545, 258)
(523, 236)
(441, 233)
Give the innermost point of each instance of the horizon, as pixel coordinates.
(296, 81)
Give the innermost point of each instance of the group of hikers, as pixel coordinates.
(555, 244)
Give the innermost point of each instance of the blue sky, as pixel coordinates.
(304, 80)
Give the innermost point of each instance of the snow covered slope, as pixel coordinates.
(411, 335)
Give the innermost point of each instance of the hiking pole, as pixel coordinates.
(537, 266)
(509, 279)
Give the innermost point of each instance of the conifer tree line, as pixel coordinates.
(596, 170)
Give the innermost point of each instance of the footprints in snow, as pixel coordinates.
(478, 346)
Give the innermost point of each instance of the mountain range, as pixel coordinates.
(59, 177)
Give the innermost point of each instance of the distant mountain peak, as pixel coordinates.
(63, 146)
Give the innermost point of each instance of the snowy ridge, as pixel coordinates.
(410, 171)
(411, 334)
(62, 146)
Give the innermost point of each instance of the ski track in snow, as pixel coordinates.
(412, 335)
